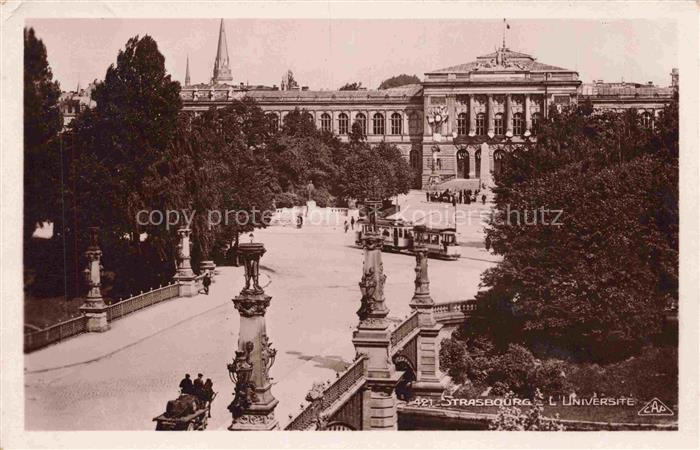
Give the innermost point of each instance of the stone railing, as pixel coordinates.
(60, 331)
(143, 300)
(451, 311)
(352, 375)
(404, 329)
(55, 333)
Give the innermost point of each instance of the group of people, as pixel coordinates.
(347, 225)
(202, 390)
(461, 196)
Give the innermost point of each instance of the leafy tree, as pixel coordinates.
(374, 173)
(596, 284)
(512, 418)
(356, 86)
(114, 148)
(42, 125)
(399, 80)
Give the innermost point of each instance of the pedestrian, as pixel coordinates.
(346, 226)
(208, 395)
(487, 242)
(454, 201)
(198, 386)
(206, 282)
(186, 385)
(352, 222)
(483, 199)
(469, 200)
(460, 196)
(427, 196)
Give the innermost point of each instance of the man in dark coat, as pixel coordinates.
(186, 384)
(206, 282)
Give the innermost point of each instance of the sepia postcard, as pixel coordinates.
(465, 224)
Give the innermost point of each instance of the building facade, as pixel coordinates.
(457, 124)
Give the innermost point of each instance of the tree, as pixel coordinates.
(42, 167)
(594, 285)
(374, 173)
(114, 148)
(356, 86)
(399, 80)
(512, 418)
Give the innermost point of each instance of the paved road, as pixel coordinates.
(314, 274)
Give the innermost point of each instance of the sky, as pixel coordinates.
(325, 54)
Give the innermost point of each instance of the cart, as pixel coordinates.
(197, 421)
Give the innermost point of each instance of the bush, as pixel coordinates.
(512, 418)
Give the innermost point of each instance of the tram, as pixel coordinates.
(400, 237)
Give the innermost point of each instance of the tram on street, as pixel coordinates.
(400, 237)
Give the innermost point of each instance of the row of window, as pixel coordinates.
(498, 124)
(378, 123)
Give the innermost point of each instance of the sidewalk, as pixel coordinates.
(136, 327)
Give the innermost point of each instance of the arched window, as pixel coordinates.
(518, 124)
(326, 122)
(378, 124)
(647, 119)
(310, 117)
(462, 124)
(536, 120)
(396, 123)
(498, 160)
(343, 124)
(498, 124)
(462, 163)
(361, 119)
(480, 125)
(274, 121)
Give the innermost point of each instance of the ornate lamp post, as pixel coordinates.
(94, 307)
(372, 337)
(253, 405)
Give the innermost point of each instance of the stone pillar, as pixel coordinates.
(472, 163)
(430, 382)
(94, 307)
(185, 276)
(509, 116)
(490, 118)
(372, 337)
(451, 115)
(253, 407)
(472, 116)
(486, 180)
(545, 106)
(528, 116)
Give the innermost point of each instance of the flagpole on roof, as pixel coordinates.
(504, 33)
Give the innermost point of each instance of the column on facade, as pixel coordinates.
(545, 105)
(472, 116)
(451, 115)
(528, 118)
(405, 131)
(490, 117)
(509, 115)
(334, 122)
(485, 172)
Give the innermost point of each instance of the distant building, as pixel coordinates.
(441, 124)
(72, 102)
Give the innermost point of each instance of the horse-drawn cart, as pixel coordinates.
(186, 413)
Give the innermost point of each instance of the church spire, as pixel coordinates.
(187, 72)
(222, 72)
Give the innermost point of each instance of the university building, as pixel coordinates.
(457, 124)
